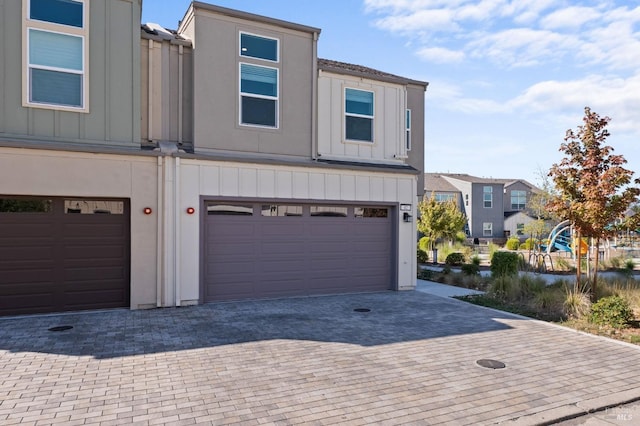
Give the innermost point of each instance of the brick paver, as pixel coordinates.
(411, 360)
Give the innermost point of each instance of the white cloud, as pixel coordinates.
(425, 20)
(569, 18)
(612, 96)
(440, 55)
(521, 46)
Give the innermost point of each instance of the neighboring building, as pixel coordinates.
(495, 208)
(222, 160)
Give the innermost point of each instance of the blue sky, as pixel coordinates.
(507, 78)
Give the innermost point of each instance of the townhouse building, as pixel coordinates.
(495, 208)
(147, 167)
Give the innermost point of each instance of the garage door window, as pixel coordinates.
(93, 207)
(371, 212)
(17, 205)
(275, 210)
(329, 211)
(230, 209)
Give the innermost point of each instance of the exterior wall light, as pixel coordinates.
(147, 210)
(407, 217)
(191, 210)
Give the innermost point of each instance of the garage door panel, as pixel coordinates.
(295, 255)
(26, 253)
(225, 227)
(94, 250)
(27, 274)
(10, 230)
(114, 272)
(62, 261)
(26, 303)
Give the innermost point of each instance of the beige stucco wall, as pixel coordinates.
(215, 179)
(72, 174)
(216, 57)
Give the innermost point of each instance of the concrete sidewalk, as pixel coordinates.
(411, 359)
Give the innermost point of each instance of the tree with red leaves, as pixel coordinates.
(593, 188)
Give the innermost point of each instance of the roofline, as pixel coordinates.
(390, 78)
(253, 17)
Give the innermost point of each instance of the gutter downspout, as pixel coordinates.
(177, 232)
(314, 100)
(160, 233)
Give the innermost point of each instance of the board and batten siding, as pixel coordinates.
(199, 179)
(389, 120)
(114, 81)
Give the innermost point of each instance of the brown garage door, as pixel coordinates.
(61, 254)
(276, 250)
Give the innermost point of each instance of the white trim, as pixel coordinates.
(277, 40)
(254, 95)
(346, 114)
(45, 26)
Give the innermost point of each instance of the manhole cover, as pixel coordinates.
(362, 310)
(490, 363)
(61, 328)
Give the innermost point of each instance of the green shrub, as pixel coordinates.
(629, 265)
(504, 263)
(454, 259)
(512, 243)
(613, 311)
(470, 269)
(461, 237)
(475, 260)
(425, 274)
(424, 244)
(529, 244)
(423, 257)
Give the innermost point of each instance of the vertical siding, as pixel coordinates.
(114, 81)
(389, 110)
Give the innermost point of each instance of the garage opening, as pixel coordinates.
(63, 254)
(267, 250)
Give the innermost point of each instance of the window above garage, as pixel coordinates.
(55, 57)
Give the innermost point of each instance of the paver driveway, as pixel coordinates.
(410, 360)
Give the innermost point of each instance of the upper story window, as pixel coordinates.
(258, 95)
(518, 200)
(408, 130)
(443, 197)
(254, 46)
(487, 196)
(55, 60)
(358, 115)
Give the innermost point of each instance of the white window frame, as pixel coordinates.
(277, 60)
(443, 197)
(490, 200)
(407, 120)
(45, 26)
(351, 114)
(487, 229)
(254, 95)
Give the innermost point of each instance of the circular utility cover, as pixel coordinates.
(362, 310)
(490, 363)
(61, 328)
